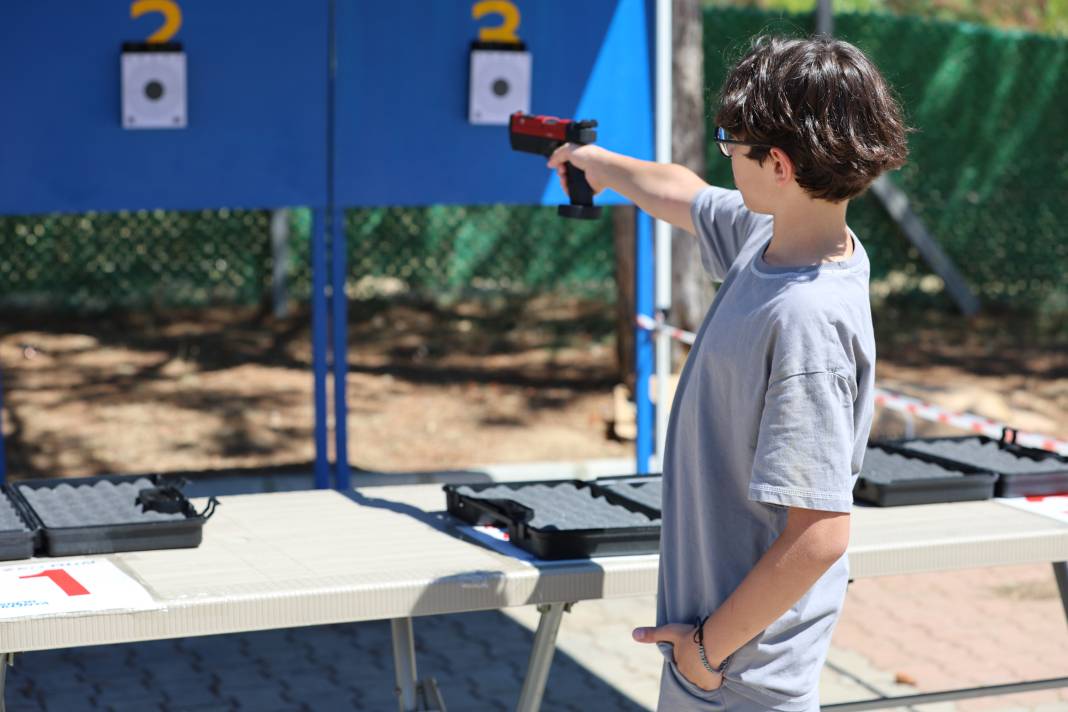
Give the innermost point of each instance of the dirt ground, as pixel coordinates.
(430, 387)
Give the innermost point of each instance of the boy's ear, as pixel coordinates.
(782, 165)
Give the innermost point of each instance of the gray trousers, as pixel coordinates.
(677, 694)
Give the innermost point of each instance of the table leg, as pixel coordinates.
(541, 657)
(6, 659)
(403, 662)
(1060, 572)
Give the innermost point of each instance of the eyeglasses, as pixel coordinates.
(726, 144)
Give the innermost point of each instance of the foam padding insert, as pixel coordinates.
(648, 493)
(987, 456)
(563, 507)
(10, 521)
(100, 503)
(883, 466)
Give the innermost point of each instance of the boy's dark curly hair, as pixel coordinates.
(822, 102)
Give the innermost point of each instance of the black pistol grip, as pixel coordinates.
(581, 194)
(578, 188)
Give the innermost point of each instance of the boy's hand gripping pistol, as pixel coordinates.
(543, 135)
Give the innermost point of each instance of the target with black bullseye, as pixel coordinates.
(499, 84)
(153, 89)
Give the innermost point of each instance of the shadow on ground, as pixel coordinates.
(478, 659)
(232, 386)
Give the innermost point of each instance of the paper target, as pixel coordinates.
(153, 90)
(500, 85)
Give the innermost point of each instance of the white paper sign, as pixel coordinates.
(1054, 506)
(58, 587)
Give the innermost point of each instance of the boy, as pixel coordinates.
(774, 405)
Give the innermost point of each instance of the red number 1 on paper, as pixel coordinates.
(64, 580)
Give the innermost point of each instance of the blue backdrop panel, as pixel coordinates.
(402, 90)
(257, 87)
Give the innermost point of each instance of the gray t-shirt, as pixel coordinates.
(773, 410)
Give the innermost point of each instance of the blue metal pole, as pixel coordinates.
(3, 459)
(318, 318)
(643, 341)
(338, 267)
(341, 351)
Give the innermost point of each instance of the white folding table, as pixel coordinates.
(318, 557)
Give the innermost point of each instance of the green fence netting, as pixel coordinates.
(100, 261)
(451, 251)
(988, 175)
(159, 259)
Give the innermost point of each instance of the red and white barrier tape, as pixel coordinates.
(906, 404)
(649, 324)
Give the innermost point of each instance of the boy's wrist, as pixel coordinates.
(712, 662)
(602, 162)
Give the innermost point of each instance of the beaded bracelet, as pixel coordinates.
(699, 638)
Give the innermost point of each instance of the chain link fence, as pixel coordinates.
(95, 262)
(988, 174)
(456, 252)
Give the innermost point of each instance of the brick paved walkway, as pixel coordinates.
(477, 658)
(964, 629)
(944, 631)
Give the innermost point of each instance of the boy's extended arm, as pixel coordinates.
(810, 544)
(663, 190)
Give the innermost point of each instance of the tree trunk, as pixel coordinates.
(624, 223)
(692, 289)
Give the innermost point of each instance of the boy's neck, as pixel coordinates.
(809, 232)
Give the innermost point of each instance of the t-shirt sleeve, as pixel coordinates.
(805, 444)
(722, 224)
